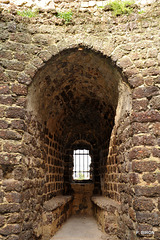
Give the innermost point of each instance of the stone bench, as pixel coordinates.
(105, 203)
(55, 212)
(56, 202)
(106, 212)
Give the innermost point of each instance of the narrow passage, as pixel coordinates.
(79, 228)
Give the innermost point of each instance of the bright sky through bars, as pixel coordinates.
(82, 161)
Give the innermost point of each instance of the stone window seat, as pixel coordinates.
(106, 212)
(105, 203)
(56, 202)
(55, 212)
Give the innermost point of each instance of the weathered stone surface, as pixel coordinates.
(3, 124)
(12, 185)
(155, 102)
(150, 218)
(142, 92)
(6, 100)
(144, 166)
(148, 116)
(4, 89)
(139, 153)
(24, 78)
(9, 208)
(2, 220)
(156, 152)
(9, 159)
(10, 135)
(18, 124)
(150, 177)
(61, 84)
(106, 203)
(13, 197)
(56, 202)
(10, 229)
(149, 140)
(147, 191)
(140, 105)
(19, 89)
(14, 112)
(143, 204)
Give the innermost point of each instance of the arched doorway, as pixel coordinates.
(79, 96)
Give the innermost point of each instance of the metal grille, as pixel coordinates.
(82, 162)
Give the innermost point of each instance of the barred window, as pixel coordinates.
(82, 165)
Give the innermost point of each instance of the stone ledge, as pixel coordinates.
(56, 202)
(106, 203)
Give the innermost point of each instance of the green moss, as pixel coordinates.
(28, 13)
(67, 16)
(100, 7)
(141, 11)
(121, 7)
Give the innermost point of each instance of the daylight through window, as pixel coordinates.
(82, 165)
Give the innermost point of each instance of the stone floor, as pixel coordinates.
(79, 228)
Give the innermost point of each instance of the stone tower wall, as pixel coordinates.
(31, 152)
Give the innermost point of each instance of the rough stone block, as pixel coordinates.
(24, 78)
(149, 140)
(156, 128)
(4, 89)
(134, 178)
(10, 135)
(9, 208)
(9, 159)
(19, 89)
(2, 220)
(12, 185)
(144, 166)
(143, 204)
(156, 152)
(150, 177)
(20, 37)
(125, 62)
(142, 92)
(157, 235)
(139, 153)
(13, 65)
(15, 218)
(3, 124)
(149, 218)
(10, 229)
(13, 197)
(148, 116)
(18, 124)
(147, 191)
(14, 112)
(140, 105)
(6, 100)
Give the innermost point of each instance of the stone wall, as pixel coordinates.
(82, 193)
(95, 44)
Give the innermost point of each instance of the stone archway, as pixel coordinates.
(78, 95)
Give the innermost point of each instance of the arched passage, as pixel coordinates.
(78, 98)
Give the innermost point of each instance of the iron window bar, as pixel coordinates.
(82, 162)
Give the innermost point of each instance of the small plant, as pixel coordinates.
(141, 11)
(121, 7)
(67, 16)
(81, 176)
(100, 7)
(28, 13)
